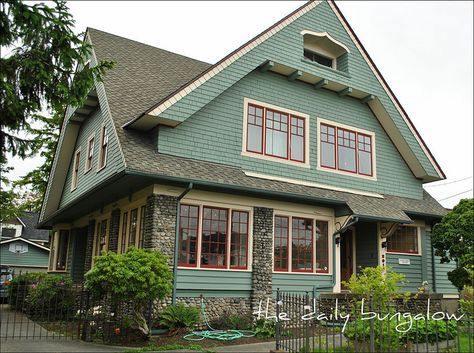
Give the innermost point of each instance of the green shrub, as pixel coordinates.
(232, 322)
(137, 277)
(179, 318)
(19, 287)
(51, 296)
(265, 328)
(466, 302)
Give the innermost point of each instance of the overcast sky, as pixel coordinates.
(423, 49)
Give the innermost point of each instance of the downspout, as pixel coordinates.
(176, 244)
(433, 265)
(335, 241)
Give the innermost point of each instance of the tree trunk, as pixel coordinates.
(140, 321)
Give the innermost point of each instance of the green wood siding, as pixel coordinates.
(87, 181)
(297, 282)
(412, 271)
(34, 257)
(286, 47)
(215, 133)
(192, 283)
(366, 245)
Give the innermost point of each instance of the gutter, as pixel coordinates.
(176, 244)
(335, 242)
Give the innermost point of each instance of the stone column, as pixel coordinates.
(114, 230)
(262, 264)
(89, 245)
(160, 224)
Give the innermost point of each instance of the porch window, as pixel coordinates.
(63, 245)
(188, 235)
(275, 133)
(309, 250)
(101, 237)
(280, 247)
(346, 150)
(132, 228)
(212, 237)
(239, 239)
(302, 244)
(404, 240)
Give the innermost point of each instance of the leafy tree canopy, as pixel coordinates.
(453, 239)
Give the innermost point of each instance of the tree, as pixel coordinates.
(453, 239)
(39, 71)
(135, 277)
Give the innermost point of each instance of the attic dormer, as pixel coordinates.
(321, 48)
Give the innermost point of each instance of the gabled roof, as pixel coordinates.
(30, 220)
(24, 241)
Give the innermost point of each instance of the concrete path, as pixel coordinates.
(15, 325)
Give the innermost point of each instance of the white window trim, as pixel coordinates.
(75, 175)
(418, 236)
(99, 220)
(230, 208)
(99, 167)
(88, 168)
(244, 152)
(341, 172)
(288, 214)
(55, 250)
(137, 204)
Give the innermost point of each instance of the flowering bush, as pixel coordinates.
(20, 286)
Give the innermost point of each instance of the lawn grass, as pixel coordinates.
(170, 347)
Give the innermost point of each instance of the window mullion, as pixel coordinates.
(199, 237)
(290, 244)
(313, 239)
(228, 238)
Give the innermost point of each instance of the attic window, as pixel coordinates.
(321, 48)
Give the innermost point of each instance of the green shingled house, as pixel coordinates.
(288, 164)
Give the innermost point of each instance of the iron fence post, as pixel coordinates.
(306, 325)
(277, 325)
(372, 333)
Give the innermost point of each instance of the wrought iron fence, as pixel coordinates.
(64, 312)
(306, 323)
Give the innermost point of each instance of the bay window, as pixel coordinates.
(346, 150)
(213, 237)
(275, 133)
(404, 240)
(300, 245)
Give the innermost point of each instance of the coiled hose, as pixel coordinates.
(213, 334)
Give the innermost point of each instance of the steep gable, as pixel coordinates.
(282, 46)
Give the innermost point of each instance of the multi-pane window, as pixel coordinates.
(322, 248)
(345, 150)
(280, 247)
(188, 235)
(132, 228)
(103, 147)
(101, 237)
(404, 240)
(212, 237)
(302, 244)
(75, 171)
(63, 244)
(90, 153)
(304, 241)
(274, 133)
(320, 59)
(239, 239)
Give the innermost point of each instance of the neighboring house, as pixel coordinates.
(296, 164)
(23, 247)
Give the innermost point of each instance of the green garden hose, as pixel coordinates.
(213, 334)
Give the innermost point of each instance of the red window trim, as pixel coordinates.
(336, 152)
(412, 252)
(334, 144)
(327, 246)
(264, 128)
(313, 254)
(287, 247)
(291, 136)
(188, 241)
(246, 243)
(226, 239)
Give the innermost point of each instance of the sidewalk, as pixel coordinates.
(55, 346)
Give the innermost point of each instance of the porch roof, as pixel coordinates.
(219, 176)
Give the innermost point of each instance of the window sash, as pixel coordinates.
(189, 225)
(346, 150)
(103, 149)
(302, 254)
(214, 249)
(279, 134)
(322, 246)
(239, 240)
(90, 153)
(404, 240)
(75, 173)
(281, 244)
(63, 245)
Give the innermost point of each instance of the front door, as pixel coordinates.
(347, 260)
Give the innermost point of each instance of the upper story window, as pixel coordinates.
(103, 147)
(404, 240)
(90, 153)
(75, 171)
(323, 49)
(346, 150)
(212, 237)
(300, 245)
(275, 133)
